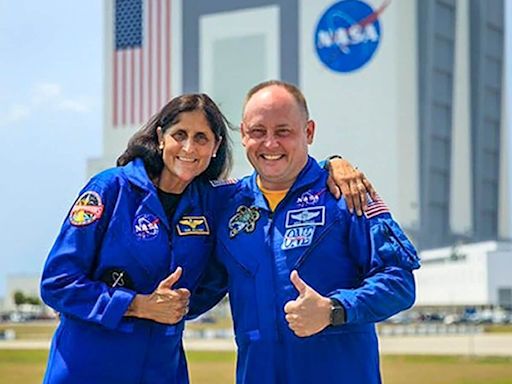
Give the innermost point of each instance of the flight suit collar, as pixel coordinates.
(307, 176)
(137, 175)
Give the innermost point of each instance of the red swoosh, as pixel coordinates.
(374, 15)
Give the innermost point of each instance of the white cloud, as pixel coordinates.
(15, 113)
(45, 93)
(73, 106)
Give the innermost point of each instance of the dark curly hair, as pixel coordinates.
(144, 143)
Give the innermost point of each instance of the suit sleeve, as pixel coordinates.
(66, 283)
(386, 259)
(212, 288)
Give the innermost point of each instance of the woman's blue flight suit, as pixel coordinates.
(115, 243)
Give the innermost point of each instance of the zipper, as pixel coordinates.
(311, 247)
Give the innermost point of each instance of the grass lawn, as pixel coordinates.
(27, 366)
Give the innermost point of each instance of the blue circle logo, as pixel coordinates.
(348, 34)
(145, 226)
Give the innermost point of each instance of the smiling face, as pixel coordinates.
(276, 134)
(187, 148)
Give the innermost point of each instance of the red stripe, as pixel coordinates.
(114, 89)
(168, 54)
(123, 87)
(150, 72)
(132, 87)
(376, 211)
(369, 215)
(141, 87)
(158, 54)
(376, 207)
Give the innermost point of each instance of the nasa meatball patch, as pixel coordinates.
(145, 226)
(87, 209)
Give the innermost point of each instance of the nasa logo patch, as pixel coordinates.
(309, 198)
(87, 209)
(145, 226)
(348, 34)
(298, 237)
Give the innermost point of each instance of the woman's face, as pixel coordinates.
(188, 147)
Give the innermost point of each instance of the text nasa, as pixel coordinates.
(344, 37)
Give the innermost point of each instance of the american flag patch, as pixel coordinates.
(221, 182)
(376, 207)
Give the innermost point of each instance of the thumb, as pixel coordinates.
(298, 283)
(170, 280)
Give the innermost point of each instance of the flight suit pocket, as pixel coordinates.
(91, 350)
(242, 270)
(394, 247)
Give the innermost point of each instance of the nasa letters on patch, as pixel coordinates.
(88, 208)
(145, 226)
(193, 225)
(309, 198)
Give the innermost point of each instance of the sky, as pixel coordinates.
(51, 78)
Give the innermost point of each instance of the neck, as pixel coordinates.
(267, 186)
(171, 184)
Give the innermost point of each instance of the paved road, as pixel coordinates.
(477, 345)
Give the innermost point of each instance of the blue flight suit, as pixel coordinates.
(117, 242)
(364, 262)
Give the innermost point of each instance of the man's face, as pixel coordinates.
(276, 135)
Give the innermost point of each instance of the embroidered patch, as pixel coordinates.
(116, 277)
(309, 198)
(145, 226)
(298, 237)
(376, 207)
(305, 216)
(193, 225)
(221, 182)
(87, 209)
(243, 220)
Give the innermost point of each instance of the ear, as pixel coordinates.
(160, 134)
(218, 144)
(310, 131)
(243, 133)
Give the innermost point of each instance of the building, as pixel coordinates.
(412, 91)
(472, 275)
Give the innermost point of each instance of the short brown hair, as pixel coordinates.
(292, 89)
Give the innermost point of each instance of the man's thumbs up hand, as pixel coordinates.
(310, 312)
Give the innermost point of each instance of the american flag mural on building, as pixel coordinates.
(141, 72)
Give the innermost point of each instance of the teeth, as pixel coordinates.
(186, 159)
(271, 157)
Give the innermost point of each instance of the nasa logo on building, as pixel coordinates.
(348, 34)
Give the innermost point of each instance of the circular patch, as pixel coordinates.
(348, 34)
(145, 226)
(87, 209)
